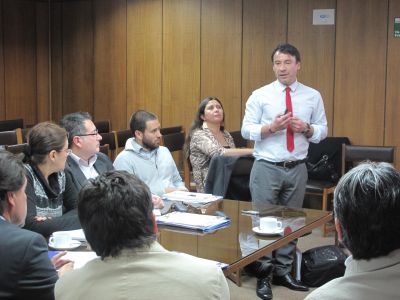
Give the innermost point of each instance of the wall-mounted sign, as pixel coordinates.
(323, 17)
(397, 27)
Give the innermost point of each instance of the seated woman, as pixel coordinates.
(207, 138)
(51, 198)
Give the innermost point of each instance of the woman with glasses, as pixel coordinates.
(51, 200)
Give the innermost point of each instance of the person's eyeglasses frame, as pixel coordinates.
(94, 133)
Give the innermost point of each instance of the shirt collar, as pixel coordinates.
(83, 162)
(140, 149)
(283, 87)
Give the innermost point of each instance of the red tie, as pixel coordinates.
(289, 132)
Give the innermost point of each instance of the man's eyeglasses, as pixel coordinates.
(68, 151)
(95, 132)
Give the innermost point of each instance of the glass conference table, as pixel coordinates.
(238, 245)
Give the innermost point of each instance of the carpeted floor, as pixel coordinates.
(248, 289)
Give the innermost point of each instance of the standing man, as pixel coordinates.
(367, 209)
(85, 161)
(144, 157)
(282, 118)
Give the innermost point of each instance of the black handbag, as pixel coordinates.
(322, 264)
(323, 169)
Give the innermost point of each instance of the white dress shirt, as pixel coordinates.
(269, 101)
(87, 167)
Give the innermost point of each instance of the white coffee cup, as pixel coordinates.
(270, 224)
(60, 240)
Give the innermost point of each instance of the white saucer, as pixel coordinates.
(74, 244)
(278, 231)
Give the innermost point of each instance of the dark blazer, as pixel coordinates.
(26, 271)
(78, 179)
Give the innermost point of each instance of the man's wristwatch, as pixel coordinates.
(307, 129)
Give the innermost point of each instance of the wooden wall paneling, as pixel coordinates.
(144, 56)
(110, 62)
(264, 27)
(316, 44)
(19, 60)
(42, 59)
(2, 101)
(392, 112)
(56, 53)
(221, 56)
(181, 62)
(360, 69)
(77, 56)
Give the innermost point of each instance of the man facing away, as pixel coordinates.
(367, 210)
(116, 214)
(282, 118)
(144, 157)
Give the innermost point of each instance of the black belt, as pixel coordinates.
(289, 164)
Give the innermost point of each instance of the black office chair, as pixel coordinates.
(110, 139)
(353, 154)
(169, 130)
(11, 137)
(324, 187)
(8, 125)
(174, 142)
(103, 126)
(122, 137)
(239, 141)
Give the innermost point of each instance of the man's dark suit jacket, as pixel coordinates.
(26, 271)
(102, 164)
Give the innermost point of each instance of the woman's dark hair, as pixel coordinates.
(12, 175)
(198, 122)
(43, 138)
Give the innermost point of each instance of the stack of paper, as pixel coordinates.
(204, 223)
(191, 198)
(78, 234)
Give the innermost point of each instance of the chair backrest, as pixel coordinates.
(11, 137)
(8, 125)
(103, 126)
(122, 137)
(239, 141)
(357, 153)
(109, 138)
(17, 149)
(169, 130)
(175, 142)
(105, 149)
(24, 133)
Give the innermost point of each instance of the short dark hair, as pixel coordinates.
(12, 175)
(367, 205)
(287, 49)
(139, 119)
(74, 124)
(43, 138)
(116, 212)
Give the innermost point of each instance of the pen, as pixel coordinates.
(250, 212)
